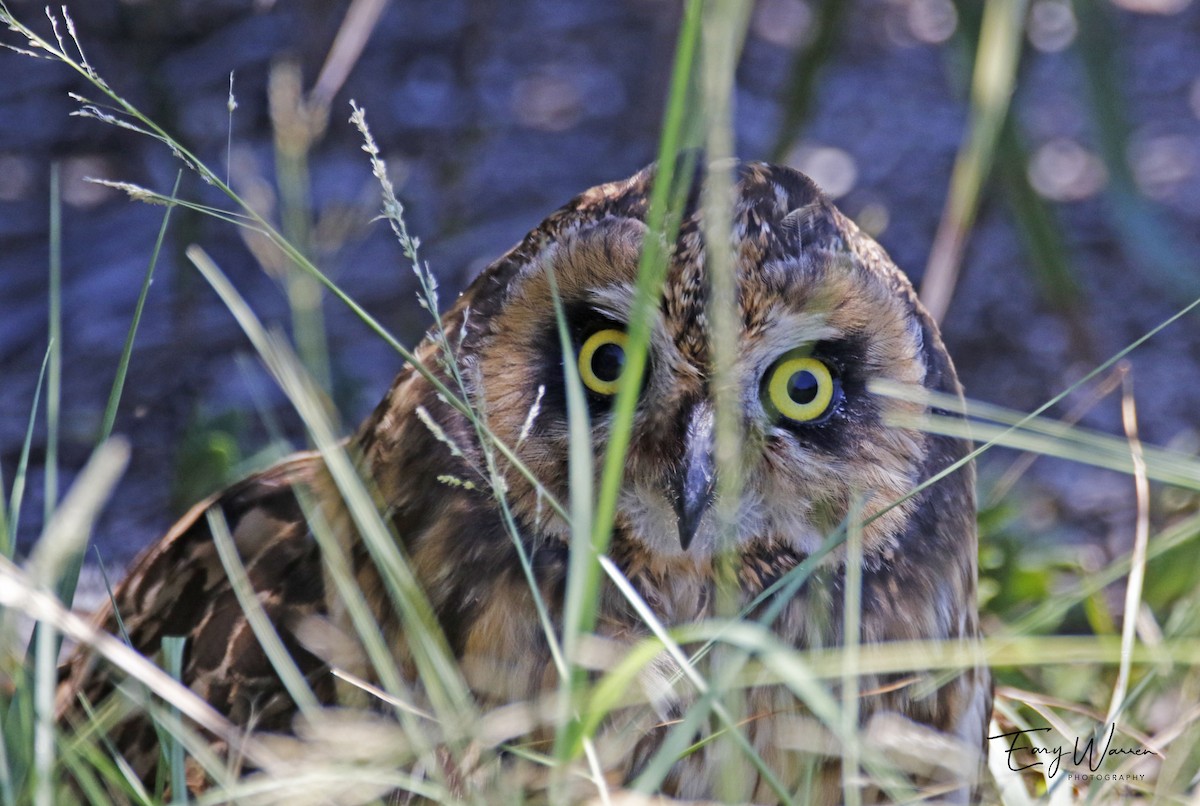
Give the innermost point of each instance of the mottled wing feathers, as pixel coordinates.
(179, 587)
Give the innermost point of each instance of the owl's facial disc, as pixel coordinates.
(821, 313)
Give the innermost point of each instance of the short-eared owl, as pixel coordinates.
(821, 314)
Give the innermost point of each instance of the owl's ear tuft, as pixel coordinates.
(813, 226)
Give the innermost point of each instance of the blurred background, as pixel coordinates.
(1081, 236)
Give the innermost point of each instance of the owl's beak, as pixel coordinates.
(696, 477)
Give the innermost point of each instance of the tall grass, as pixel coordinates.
(437, 742)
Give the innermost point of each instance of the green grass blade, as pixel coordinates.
(268, 637)
(18, 488)
(1036, 220)
(582, 571)
(172, 648)
(70, 577)
(7, 539)
(44, 683)
(118, 384)
(801, 93)
(723, 36)
(1053, 401)
(992, 84)
(666, 196)
(86, 759)
(54, 371)
(583, 588)
(1039, 228)
(112, 599)
(852, 642)
(1146, 239)
(8, 789)
(294, 130)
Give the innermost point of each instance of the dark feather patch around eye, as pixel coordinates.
(837, 434)
(582, 321)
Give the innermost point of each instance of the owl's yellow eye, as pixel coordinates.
(602, 360)
(801, 389)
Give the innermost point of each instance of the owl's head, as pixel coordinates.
(821, 313)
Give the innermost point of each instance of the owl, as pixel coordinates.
(822, 314)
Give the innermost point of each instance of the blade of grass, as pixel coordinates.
(44, 681)
(268, 637)
(667, 193)
(118, 384)
(1043, 435)
(852, 640)
(920, 656)
(70, 576)
(1145, 238)
(803, 672)
(723, 35)
(18, 488)
(992, 85)
(332, 784)
(361, 18)
(801, 92)
(99, 759)
(295, 126)
(1040, 230)
(582, 556)
(724, 32)
(671, 182)
(54, 371)
(1098, 452)
(1137, 570)
(1035, 218)
(112, 598)
(172, 649)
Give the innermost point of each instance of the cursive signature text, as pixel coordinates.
(1083, 751)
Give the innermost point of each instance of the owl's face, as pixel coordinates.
(822, 312)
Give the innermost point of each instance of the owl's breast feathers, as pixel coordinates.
(808, 276)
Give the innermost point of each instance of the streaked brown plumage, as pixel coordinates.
(810, 286)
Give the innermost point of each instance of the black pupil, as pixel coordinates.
(608, 361)
(802, 387)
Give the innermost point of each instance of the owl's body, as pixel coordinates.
(822, 312)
